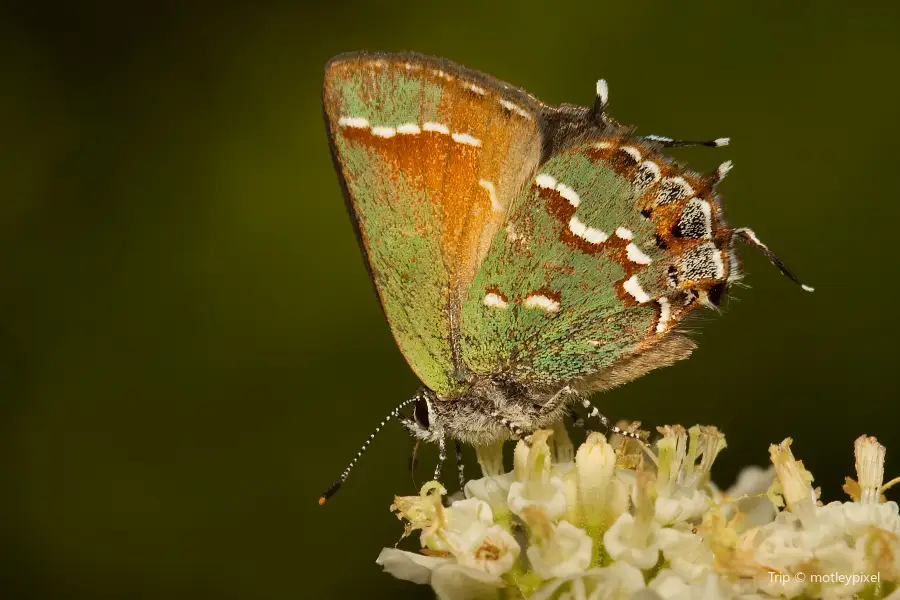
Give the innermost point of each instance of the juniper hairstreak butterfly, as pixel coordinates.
(525, 255)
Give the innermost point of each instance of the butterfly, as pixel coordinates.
(525, 255)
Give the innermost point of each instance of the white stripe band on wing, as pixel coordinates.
(569, 194)
(385, 132)
(465, 138)
(665, 313)
(632, 152)
(623, 233)
(548, 182)
(494, 300)
(435, 127)
(542, 302)
(635, 255)
(475, 88)
(492, 194)
(408, 129)
(633, 287)
(359, 122)
(514, 108)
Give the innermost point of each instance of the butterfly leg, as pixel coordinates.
(563, 396)
(596, 414)
(442, 456)
(577, 420)
(460, 467)
(514, 428)
(667, 142)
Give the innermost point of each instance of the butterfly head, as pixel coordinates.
(425, 424)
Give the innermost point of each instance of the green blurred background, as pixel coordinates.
(191, 347)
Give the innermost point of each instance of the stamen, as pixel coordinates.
(869, 456)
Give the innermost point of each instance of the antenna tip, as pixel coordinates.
(719, 142)
(331, 491)
(808, 288)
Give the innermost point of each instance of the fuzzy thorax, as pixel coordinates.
(487, 413)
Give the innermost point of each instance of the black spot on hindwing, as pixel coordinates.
(671, 190)
(672, 276)
(693, 223)
(716, 293)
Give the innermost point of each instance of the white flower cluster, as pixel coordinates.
(623, 520)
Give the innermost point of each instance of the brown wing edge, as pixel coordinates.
(348, 202)
(508, 90)
(664, 353)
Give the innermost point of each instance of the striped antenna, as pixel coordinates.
(332, 490)
(667, 142)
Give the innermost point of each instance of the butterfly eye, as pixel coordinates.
(420, 412)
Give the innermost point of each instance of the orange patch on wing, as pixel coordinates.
(450, 172)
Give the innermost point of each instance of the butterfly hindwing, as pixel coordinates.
(431, 156)
(592, 267)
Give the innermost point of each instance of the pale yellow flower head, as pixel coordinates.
(615, 520)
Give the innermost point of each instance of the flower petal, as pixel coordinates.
(566, 552)
(495, 552)
(749, 491)
(490, 457)
(457, 582)
(598, 489)
(683, 505)
(617, 581)
(689, 557)
(409, 566)
(550, 496)
(619, 543)
(466, 520)
(669, 585)
(493, 490)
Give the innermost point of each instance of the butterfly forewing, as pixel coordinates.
(587, 271)
(431, 156)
